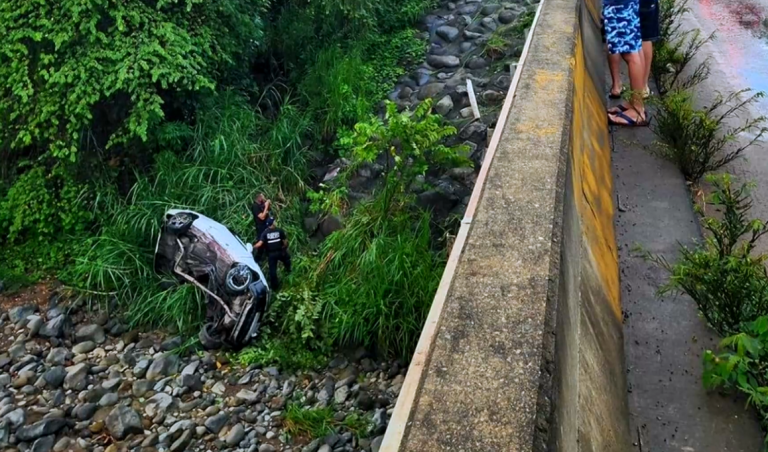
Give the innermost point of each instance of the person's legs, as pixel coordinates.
(650, 31)
(614, 62)
(622, 29)
(647, 60)
(273, 281)
(286, 259)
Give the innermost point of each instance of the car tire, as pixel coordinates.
(210, 339)
(238, 279)
(180, 223)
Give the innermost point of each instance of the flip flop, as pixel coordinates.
(644, 122)
(617, 109)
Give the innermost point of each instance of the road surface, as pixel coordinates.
(739, 59)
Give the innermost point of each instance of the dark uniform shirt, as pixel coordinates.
(257, 209)
(272, 239)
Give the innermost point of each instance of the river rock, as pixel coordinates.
(55, 376)
(16, 418)
(443, 61)
(162, 366)
(55, 327)
(84, 347)
(39, 429)
(444, 105)
(20, 313)
(477, 63)
(44, 444)
(507, 16)
(235, 435)
(447, 32)
(75, 378)
(85, 411)
(181, 444)
(158, 404)
(34, 325)
(247, 396)
(490, 9)
(431, 90)
(57, 356)
(489, 23)
(123, 421)
(94, 333)
(215, 423)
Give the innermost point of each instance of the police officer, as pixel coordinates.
(260, 211)
(276, 244)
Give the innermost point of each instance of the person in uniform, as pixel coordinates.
(260, 210)
(276, 244)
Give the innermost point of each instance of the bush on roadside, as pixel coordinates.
(727, 282)
(743, 367)
(700, 140)
(675, 49)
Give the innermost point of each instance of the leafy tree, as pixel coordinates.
(99, 71)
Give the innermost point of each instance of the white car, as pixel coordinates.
(203, 252)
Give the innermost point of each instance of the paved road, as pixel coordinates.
(740, 49)
(739, 57)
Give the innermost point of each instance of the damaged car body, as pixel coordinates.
(198, 250)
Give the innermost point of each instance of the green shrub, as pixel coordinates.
(700, 140)
(43, 204)
(729, 285)
(675, 49)
(743, 367)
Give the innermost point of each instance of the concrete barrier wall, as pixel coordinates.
(522, 349)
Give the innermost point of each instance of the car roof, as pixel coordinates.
(224, 237)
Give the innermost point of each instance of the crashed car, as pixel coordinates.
(198, 250)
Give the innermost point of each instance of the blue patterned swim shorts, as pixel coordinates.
(622, 27)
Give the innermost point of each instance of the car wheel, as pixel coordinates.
(180, 223)
(209, 337)
(238, 279)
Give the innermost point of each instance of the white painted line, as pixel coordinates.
(413, 379)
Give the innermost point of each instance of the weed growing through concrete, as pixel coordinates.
(743, 367)
(721, 275)
(700, 140)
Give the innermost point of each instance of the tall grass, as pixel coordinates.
(233, 154)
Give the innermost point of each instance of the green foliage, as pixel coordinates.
(328, 200)
(376, 278)
(412, 141)
(676, 49)
(234, 154)
(502, 41)
(108, 65)
(286, 352)
(700, 140)
(743, 367)
(729, 285)
(319, 422)
(42, 204)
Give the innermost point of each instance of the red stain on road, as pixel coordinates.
(741, 34)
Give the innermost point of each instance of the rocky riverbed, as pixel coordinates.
(469, 40)
(94, 385)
